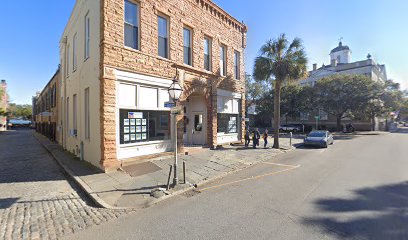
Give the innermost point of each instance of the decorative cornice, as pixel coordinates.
(217, 11)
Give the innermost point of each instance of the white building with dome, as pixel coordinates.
(340, 63)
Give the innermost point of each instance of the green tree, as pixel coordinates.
(20, 111)
(281, 61)
(254, 90)
(342, 94)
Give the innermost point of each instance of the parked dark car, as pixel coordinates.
(292, 128)
(319, 139)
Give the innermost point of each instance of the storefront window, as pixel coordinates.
(143, 126)
(227, 123)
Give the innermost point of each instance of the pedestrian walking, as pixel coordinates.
(255, 138)
(265, 137)
(247, 137)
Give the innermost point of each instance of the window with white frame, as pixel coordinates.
(142, 115)
(237, 62)
(74, 53)
(187, 54)
(207, 53)
(223, 60)
(67, 61)
(163, 36)
(87, 115)
(87, 36)
(131, 24)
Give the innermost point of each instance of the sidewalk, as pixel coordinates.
(133, 188)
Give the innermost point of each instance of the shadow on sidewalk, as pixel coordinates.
(378, 213)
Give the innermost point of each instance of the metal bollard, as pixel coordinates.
(184, 172)
(290, 141)
(168, 180)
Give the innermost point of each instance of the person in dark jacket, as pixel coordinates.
(255, 138)
(265, 137)
(247, 137)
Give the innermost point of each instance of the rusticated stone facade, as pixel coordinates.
(204, 18)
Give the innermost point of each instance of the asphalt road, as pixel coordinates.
(355, 189)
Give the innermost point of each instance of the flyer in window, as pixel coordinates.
(138, 129)
(132, 121)
(132, 129)
(143, 128)
(144, 136)
(125, 121)
(138, 137)
(132, 137)
(138, 121)
(126, 137)
(126, 129)
(144, 121)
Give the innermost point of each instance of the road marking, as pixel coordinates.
(282, 165)
(250, 178)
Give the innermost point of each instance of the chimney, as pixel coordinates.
(314, 66)
(334, 62)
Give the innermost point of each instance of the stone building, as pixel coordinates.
(118, 58)
(46, 109)
(3, 105)
(340, 63)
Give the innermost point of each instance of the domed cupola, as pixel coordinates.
(340, 54)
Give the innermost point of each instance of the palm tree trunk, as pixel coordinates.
(276, 113)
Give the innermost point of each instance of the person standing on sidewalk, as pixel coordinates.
(255, 138)
(265, 137)
(247, 137)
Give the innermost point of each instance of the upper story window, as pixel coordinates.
(237, 63)
(187, 46)
(223, 60)
(67, 61)
(207, 54)
(131, 25)
(87, 36)
(74, 53)
(163, 37)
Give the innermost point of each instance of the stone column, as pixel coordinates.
(109, 159)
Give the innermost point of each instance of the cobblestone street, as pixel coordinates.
(36, 200)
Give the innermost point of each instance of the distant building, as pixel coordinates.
(3, 105)
(45, 109)
(340, 63)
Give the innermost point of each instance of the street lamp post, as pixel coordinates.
(175, 92)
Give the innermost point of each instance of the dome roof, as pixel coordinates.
(340, 48)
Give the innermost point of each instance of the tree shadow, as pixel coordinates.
(372, 213)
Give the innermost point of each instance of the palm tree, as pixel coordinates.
(282, 61)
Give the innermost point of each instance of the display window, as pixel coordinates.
(227, 123)
(143, 126)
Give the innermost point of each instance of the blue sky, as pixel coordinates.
(30, 33)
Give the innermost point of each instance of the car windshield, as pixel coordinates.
(317, 134)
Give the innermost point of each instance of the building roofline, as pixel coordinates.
(244, 28)
(48, 83)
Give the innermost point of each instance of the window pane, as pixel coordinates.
(227, 123)
(187, 55)
(127, 95)
(206, 46)
(187, 38)
(131, 13)
(162, 27)
(148, 98)
(131, 37)
(163, 47)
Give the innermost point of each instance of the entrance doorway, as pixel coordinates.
(196, 125)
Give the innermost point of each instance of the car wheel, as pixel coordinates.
(326, 145)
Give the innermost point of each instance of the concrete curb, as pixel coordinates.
(88, 191)
(181, 191)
